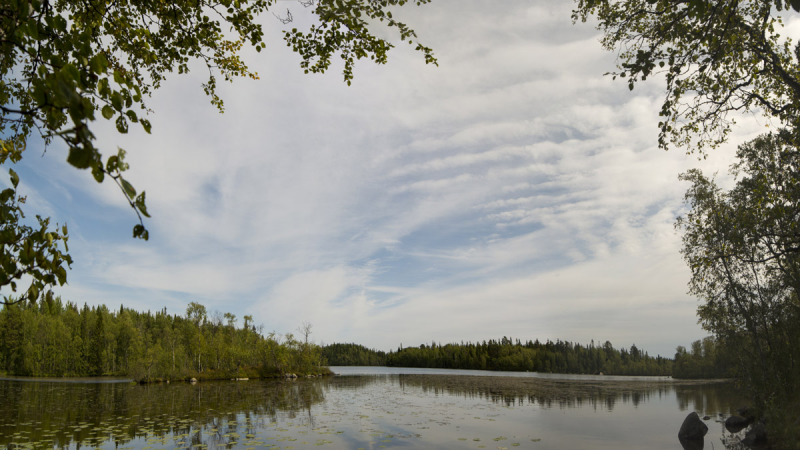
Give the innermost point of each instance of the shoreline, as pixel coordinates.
(192, 378)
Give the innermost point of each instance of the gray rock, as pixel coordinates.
(193, 380)
(706, 417)
(692, 444)
(756, 435)
(692, 427)
(735, 424)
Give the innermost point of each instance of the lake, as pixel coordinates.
(365, 408)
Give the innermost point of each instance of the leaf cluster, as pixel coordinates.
(717, 58)
(30, 257)
(344, 29)
(64, 61)
(743, 249)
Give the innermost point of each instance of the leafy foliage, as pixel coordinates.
(65, 63)
(31, 256)
(716, 56)
(743, 248)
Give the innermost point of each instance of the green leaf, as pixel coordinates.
(79, 157)
(128, 188)
(140, 232)
(140, 205)
(122, 124)
(111, 165)
(6, 195)
(33, 293)
(98, 173)
(98, 64)
(14, 177)
(108, 112)
(116, 100)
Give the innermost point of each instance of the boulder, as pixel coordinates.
(756, 435)
(193, 380)
(706, 417)
(692, 444)
(735, 424)
(692, 427)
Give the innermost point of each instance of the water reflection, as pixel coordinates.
(59, 414)
(691, 395)
(423, 411)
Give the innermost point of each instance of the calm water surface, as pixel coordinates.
(365, 408)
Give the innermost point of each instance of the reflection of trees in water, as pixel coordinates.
(84, 415)
(89, 414)
(354, 382)
(549, 393)
(717, 397)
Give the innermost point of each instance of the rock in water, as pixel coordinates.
(735, 424)
(756, 435)
(692, 444)
(692, 427)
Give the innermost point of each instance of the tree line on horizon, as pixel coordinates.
(52, 338)
(508, 354)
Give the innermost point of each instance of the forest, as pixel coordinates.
(55, 338)
(509, 355)
(352, 355)
(705, 358)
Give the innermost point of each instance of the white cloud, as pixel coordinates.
(513, 190)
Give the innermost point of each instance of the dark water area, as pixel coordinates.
(446, 409)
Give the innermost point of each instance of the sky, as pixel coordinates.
(512, 191)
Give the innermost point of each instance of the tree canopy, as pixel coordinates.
(720, 59)
(55, 338)
(743, 249)
(66, 63)
(717, 57)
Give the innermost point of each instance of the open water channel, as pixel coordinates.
(366, 408)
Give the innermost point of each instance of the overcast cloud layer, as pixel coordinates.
(512, 191)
